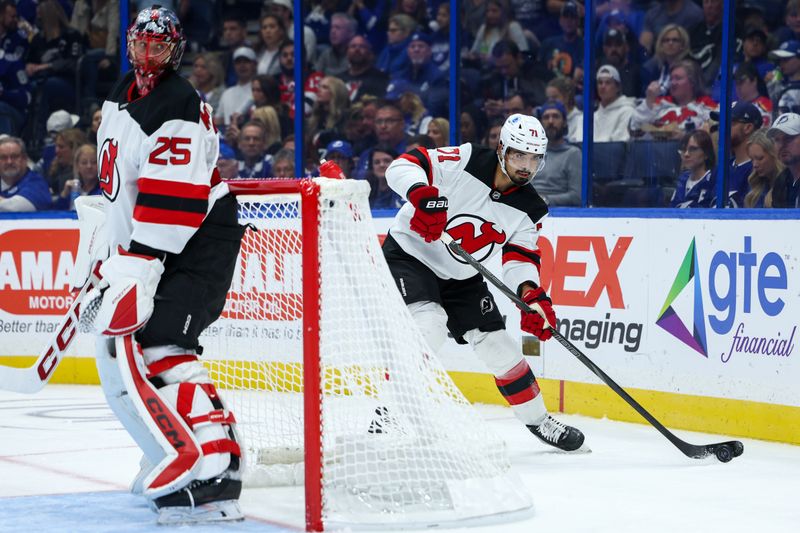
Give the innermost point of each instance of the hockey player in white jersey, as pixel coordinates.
(173, 237)
(484, 200)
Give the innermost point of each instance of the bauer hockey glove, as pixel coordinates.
(430, 214)
(536, 323)
(123, 301)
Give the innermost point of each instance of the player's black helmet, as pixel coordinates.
(155, 41)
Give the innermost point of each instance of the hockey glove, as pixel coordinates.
(430, 214)
(123, 301)
(543, 317)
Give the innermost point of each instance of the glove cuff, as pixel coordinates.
(419, 192)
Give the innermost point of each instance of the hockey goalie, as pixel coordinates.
(173, 237)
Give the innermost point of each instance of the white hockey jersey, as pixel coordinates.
(482, 219)
(157, 158)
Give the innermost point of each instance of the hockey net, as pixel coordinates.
(330, 380)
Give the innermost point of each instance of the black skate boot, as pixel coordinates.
(209, 500)
(554, 433)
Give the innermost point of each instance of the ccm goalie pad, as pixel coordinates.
(192, 458)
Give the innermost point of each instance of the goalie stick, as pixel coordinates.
(31, 379)
(724, 451)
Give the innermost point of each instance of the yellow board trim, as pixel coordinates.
(740, 418)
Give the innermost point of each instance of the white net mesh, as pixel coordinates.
(400, 442)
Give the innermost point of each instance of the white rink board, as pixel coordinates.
(632, 264)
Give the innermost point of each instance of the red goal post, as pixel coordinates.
(334, 387)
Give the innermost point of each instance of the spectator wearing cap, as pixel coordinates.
(227, 164)
(285, 10)
(238, 98)
(422, 75)
(564, 53)
(613, 114)
(745, 119)
(617, 53)
(512, 74)
(685, 108)
(499, 24)
(559, 182)
(57, 122)
(785, 132)
(785, 89)
(672, 46)
(695, 187)
(749, 87)
(254, 161)
(21, 189)
(332, 60)
(623, 16)
(361, 76)
(394, 56)
(341, 153)
(706, 39)
(15, 95)
(683, 13)
(234, 36)
(563, 91)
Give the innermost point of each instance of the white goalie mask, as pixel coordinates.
(525, 134)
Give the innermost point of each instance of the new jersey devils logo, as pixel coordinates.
(475, 235)
(108, 171)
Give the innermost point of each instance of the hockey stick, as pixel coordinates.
(31, 379)
(724, 451)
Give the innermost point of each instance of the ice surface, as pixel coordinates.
(65, 464)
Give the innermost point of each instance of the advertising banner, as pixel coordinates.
(699, 307)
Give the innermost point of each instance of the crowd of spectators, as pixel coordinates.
(376, 81)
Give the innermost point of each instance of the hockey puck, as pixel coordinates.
(724, 453)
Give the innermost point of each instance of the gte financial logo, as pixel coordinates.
(762, 277)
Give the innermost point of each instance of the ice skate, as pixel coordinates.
(561, 436)
(210, 500)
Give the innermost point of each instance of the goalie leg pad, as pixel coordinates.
(185, 384)
(513, 376)
(180, 453)
(432, 321)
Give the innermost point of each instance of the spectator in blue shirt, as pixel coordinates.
(564, 53)
(745, 119)
(393, 57)
(695, 187)
(21, 190)
(381, 196)
(15, 95)
(254, 162)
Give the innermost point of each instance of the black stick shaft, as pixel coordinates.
(688, 449)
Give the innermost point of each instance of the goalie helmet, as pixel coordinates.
(523, 133)
(155, 42)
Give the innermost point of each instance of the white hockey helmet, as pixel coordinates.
(523, 133)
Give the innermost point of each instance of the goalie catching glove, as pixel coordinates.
(542, 317)
(123, 301)
(430, 215)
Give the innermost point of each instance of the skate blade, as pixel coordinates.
(210, 512)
